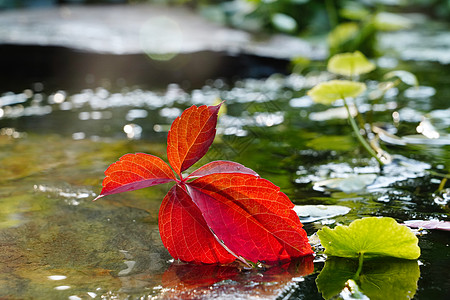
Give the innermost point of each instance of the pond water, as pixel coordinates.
(55, 243)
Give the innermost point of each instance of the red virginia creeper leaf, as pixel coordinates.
(190, 136)
(221, 166)
(251, 216)
(185, 233)
(135, 171)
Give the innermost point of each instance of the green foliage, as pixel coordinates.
(350, 64)
(371, 237)
(379, 279)
(330, 91)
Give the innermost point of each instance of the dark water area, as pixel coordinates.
(62, 123)
(73, 70)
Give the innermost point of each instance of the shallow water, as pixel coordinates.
(55, 243)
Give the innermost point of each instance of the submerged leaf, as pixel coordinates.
(372, 237)
(330, 91)
(350, 64)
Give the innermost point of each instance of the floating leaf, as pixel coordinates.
(431, 224)
(330, 91)
(372, 237)
(405, 76)
(379, 279)
(350, 64)
(349, 184)
(311, 213)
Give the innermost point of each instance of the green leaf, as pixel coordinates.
(372, 237)
(350, 64)
(330, 91)
(380, 279)
(342, 33)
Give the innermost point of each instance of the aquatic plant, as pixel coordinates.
(221, 212)
(352, 65)
(380, 240)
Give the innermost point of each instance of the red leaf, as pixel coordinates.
(135, 171)
(251, 216)
(190, 136)
(221, 166)
(185, 233)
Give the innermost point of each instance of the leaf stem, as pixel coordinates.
(360, 265)
(361, 139)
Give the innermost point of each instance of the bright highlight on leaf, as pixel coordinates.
(350, 64)
(330, 91)
(372, 237)
(223, 211)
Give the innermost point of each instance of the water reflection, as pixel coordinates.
(379, 279)
(185, 281)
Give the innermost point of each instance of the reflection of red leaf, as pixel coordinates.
(195, 276)
(186, 281)
(185, 233)
(222, 211)
(135, 171)
(251, 216)
(190, 136)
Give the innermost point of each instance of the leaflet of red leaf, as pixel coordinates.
(135, 171)
(190, 136)
(221, 166)
(185, 233)
(251, 216)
